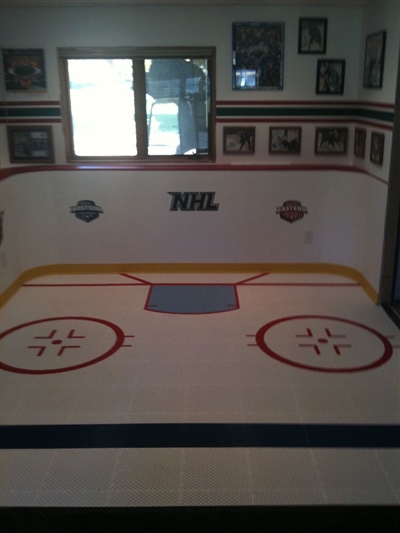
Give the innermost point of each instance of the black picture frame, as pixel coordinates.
(312, 35)
(24, 69)
(30, 144)
(360, 136)
(377, 147)
(331, 141)
(239, 140)
(374, 60)
(258, 55)
(284, 140)
(330, 76)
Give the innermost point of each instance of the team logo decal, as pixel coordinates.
(291, 211)
(193, 201)
(86, 210)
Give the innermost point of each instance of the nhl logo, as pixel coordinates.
(86, 210)
(291, 211)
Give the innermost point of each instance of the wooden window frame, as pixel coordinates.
(137, 55)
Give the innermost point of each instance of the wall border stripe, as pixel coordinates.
(14, 170)
(349, 113)
(298, 120)
(40, 111)
(365, 103)
(30, 121)
(280, 108)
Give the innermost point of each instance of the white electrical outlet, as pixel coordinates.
(309, 237)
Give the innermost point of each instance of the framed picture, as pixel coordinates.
(360, 135)
(30, 144)
(331, 141)
(374, 59)
(258, 51)
(377, 146)
(312, 35)
(239, 140)
(284, 140)
(330, 76)
(24, 69)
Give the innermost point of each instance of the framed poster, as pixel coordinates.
(239, 140)
(331, 141)
(377, 146)
(374, 60)
(258, 53)
(284, 140)
(360, 135)
(312, 35)
(30, 144)
(330, 76)
(24, 69)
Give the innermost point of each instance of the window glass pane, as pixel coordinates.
(102, 107)
(133, 108)
(178, 103)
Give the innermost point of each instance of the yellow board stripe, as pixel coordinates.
(187, 268)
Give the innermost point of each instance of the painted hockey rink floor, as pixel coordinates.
(162, 390)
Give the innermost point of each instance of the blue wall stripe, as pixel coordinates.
(200, 436)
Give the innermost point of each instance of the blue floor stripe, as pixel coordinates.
(200, 436)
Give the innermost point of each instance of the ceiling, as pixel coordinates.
(54, 3)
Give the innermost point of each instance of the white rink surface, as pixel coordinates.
(198, 368)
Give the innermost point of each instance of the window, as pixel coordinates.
(138, 104)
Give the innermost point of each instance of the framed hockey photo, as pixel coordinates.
(284, 140)
(30, 144)
(331, 141)
(312, 35)
(24, 69)
(360, 136)
(330, 76)
(239, 140)
(374, 60)
(257, 57)
(377, 146)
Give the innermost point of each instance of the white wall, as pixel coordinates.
(212, 25)
(185, 26)
(188, 26)
(346, 210)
